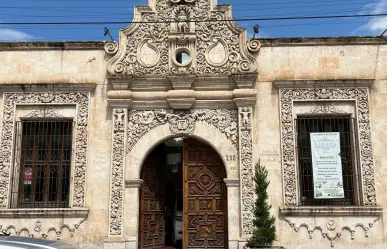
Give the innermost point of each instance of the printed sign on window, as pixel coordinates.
(327, 168)
(27, 176)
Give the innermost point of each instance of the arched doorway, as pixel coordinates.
(183, 199)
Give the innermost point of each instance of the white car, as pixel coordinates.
(18, 242)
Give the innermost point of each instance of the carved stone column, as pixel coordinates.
(233, 212)
(132, 212)
(245, 115)
(117, 186)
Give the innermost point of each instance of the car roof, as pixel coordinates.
(27, 242)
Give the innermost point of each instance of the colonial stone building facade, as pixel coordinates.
(82, 124)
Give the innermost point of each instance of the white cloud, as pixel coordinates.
(376, 25)
(14, 35)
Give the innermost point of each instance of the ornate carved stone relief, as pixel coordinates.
(42, 228)
(287, 96)
(326, 109)
(80, 148)
(246, 169)
(332, 229)
(254, 46)
(117, 177)
(153, 44)
(141, 122)
(43, 112)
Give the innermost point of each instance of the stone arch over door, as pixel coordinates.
(135, 133)
(203, 132)
(207, 134)
(205, 201)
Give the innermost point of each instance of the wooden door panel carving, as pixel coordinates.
(152, 222)
(204, 197)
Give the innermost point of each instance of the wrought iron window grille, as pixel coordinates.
(41, 175)
(345, 125)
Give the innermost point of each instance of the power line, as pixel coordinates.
(235, 4)
(197, 21)
(114, 27)
(346, 10)
(126, 15)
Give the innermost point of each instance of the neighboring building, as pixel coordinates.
(82, 157)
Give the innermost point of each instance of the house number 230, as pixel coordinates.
(231, 158)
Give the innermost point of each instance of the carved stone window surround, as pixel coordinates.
(360, 96)
(78, 99)
(330, 108)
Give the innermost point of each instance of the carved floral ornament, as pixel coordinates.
(141, 122)
(80, 148)
(117, 186)
(246, 171)
(360, 95)
(219, 47)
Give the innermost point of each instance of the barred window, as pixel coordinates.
(41, 176)
(343, 125)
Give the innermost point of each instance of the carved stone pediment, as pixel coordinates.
(163, 41)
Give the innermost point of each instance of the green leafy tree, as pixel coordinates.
(264, 232)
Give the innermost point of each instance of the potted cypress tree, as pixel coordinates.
(264, 232)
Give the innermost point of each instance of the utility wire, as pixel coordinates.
(328, 12)
(197, 21)
(127, 15)
(235, 4)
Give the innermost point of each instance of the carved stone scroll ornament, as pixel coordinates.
(332, 229)
(80, 147)
(111, 48)
(246, 157)
(287, 96)
(212, 37)
(141, 122)
(117, 178)
(254, 46)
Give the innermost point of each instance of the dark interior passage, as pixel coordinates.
(162, 197)
(194, 219)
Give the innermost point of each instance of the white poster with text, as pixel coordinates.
(327, 169)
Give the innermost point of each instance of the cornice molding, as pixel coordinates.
(47, 87)
(324, 83)
(332, 211)
(322, 41)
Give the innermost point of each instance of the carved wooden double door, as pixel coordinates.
(205, 200)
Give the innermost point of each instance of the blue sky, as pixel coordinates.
(122, 10)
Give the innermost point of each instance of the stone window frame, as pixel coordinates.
(360, 95)
(81, 102)
(322, 109)
(52, 112)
